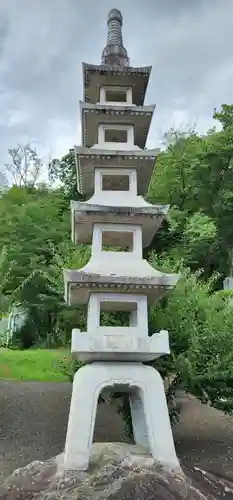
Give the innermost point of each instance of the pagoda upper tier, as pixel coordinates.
(96, 77)
(115, 121)
(115, 67)
(108, 126)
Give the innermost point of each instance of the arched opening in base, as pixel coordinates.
(110, 423)
(150, 420)
(120, 416)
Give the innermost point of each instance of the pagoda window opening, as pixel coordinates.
(115, 182)
(112, 318)
(120, 180)
(122, 238)
(118, 314)
(117, 241)
(114, 95)
(116, 135)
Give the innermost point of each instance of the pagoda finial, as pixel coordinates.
(114, 54)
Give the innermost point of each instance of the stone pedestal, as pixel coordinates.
(114, 171)
(151, 425)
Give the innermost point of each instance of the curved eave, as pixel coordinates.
(94, 114)
(85, 215)
(79, 285)
(96, 76)
(88, 159)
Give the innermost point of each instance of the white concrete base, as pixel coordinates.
(90, 347)
(150, 418)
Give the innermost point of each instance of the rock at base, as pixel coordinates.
(117, 472)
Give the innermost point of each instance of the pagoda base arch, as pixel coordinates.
(149, 412)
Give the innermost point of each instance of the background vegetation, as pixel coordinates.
(194, 174)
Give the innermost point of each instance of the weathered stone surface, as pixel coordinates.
(86, 214)
(93, 114)
(87, 160)
(118, 471)
(80, 283)
(150, 421)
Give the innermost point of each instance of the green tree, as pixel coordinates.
(35, 228)
(195, 176)
(63, 171)
(5, 273)
(33, 224)
(200, 326)
(25, 167)
(224, 115)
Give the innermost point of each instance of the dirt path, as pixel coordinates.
(204, 436)
(33, 420)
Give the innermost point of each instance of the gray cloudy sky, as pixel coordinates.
(43, 43)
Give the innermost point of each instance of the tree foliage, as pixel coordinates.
(195, 176)
(200, 325)
(63, 171)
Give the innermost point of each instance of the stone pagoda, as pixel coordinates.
(114, 171)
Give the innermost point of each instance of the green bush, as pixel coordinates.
(68, 367)
(200, 324)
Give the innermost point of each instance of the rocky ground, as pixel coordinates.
(33, 419)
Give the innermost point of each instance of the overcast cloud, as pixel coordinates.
(43, 43)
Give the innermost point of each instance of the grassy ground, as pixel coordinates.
(34, 365)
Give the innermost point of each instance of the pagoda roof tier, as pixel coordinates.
(95, 114)
(87, 159)
(79, 284)
(85, 215)
(97, 76)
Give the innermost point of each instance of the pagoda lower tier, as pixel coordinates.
(88, 347)
(116, 275)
